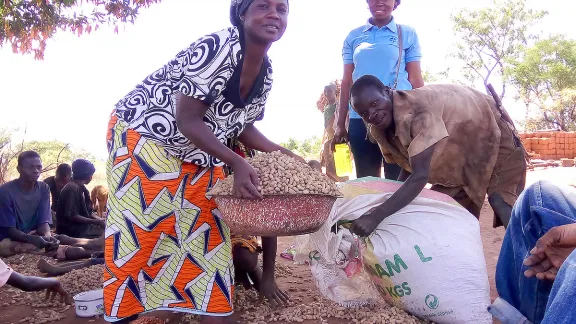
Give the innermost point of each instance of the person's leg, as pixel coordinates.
(76, 253)
(58, 270)
(508, 177)
(461, 197)
(391, 171)
(9, 248)
(501, 208)
(96, 244)
(367, 156)
(560, 307)
(246, 266)
(539, 208)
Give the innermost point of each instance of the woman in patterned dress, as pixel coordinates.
(166, 246)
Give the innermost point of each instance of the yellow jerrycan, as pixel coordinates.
(342, 160)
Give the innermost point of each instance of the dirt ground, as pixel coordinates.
(294, 278)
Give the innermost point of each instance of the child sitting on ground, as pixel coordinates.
(31, 283)
(77, 248)
(245, 250)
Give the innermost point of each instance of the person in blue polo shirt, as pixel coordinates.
(373, 49)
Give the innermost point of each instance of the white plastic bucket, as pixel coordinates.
(89, 303)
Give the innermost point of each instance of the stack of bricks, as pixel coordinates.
(551, 145)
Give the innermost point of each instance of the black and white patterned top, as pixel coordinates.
(208, 70)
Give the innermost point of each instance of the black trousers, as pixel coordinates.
(367, 155)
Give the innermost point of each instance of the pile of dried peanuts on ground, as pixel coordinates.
(280, 174)
(246, 303)
(45, 311)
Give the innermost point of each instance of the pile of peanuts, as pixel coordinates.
(319, 311)
(46, 311)
(280, 174)
(86, 279)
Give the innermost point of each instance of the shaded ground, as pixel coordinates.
(296, 278)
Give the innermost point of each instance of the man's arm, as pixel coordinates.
(16, 235)
(414, 184)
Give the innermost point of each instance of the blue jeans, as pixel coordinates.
(367, 155)
(539, 208)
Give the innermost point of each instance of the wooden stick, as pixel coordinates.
(494, 95)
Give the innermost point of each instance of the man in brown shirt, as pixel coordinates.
(454, 137)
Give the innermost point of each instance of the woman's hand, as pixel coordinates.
(340, 137)
(246, 180)
(292, 155)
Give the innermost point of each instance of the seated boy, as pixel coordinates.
(25, 216)
(30, 283)
(57, 183)
(74, 213)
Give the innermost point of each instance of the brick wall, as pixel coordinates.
(550, 145)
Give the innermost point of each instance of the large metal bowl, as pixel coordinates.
(282, 215)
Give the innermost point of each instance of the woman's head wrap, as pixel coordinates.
(82, 169)
(237, 9)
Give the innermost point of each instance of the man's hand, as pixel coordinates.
(42, 242)
(270, 291)
(53, 243)
(365, 225)
(550, 252)
(55, 289)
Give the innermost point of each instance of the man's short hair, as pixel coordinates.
(64, 169)
(27, 155)
(367, 81)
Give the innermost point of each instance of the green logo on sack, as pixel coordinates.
(432, 301)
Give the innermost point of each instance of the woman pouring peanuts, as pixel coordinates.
(166, 246)
(456, 138)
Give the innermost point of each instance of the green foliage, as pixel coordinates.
(491, 36)
(309, 148)
(545, 75)
(27, 24)
(431, 77)
(52, 154)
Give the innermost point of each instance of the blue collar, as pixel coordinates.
(391, 26)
